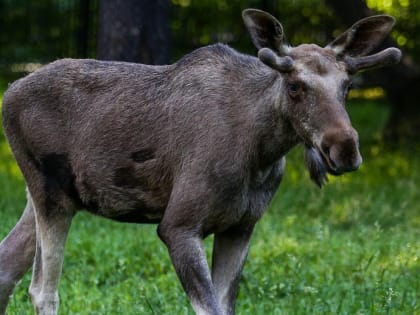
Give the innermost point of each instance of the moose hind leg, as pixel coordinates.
(54, 210)
(230, 250)
(52, 230)
(17, 252)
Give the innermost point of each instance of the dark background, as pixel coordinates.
(33, 33)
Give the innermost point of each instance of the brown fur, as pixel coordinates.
(197, 146)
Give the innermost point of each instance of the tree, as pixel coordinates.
(134, 30)
(83, 29)
(401, 82)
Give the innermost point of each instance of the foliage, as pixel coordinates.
(407, 14)
(351, 248)
(51, 29)
(40, 31)
(197, 23)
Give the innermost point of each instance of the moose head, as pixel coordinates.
(316, 82)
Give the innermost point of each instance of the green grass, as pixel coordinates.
(351, 248)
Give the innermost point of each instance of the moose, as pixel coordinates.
(197, 147)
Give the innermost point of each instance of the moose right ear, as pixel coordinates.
(265, 30)
(363, 37)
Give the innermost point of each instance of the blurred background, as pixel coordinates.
(351, 248)
(33, 33)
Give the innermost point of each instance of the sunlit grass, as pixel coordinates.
(351, 248)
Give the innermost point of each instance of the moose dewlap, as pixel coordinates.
(197, 147)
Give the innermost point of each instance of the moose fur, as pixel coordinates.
(197, 147)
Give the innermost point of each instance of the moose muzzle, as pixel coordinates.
(340, 150)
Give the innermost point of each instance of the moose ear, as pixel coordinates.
(265, 30)
(364, 36)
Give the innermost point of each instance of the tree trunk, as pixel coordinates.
(134, 30)
(400, 82)
(83, 29)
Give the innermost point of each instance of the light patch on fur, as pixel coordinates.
(338, 50)
(285, 50)
(198, 309)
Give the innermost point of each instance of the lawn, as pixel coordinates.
(352, 247)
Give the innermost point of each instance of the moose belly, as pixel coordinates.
(141, 215)
(130, 211)
(132, 204)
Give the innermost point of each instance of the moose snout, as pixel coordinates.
(340, 150)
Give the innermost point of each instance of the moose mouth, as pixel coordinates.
(329, 164)
(319, 165)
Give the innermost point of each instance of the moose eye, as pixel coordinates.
(293, 88)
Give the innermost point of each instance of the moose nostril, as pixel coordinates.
(345, 158)
(328, 154)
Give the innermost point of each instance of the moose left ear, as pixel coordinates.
(364, 36)
(265, 30)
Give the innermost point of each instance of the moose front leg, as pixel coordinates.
(189, 260)
(230, 250)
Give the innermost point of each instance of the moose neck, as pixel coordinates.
(273, 134)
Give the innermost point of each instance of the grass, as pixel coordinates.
(351, 248)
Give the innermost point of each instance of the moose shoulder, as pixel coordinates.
(197, 147)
